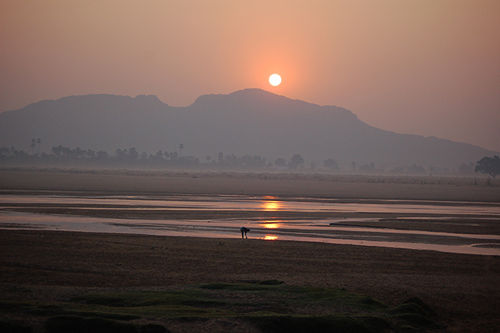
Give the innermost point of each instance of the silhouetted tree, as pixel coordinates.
(416, 169)
(132, 153)
(489, 165)
(57, 150)
(39, 144)
(90, 154)
(369, 167)
(158, 156)
(296, 161)
(33, 144)
(120, 154)
(330, 164)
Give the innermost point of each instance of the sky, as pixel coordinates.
(428, 67)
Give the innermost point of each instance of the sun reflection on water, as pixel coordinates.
(270, 237)
(270, 205)
(271, 224)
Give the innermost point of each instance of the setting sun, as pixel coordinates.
(275, 80)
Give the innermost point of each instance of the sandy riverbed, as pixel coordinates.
(44, 266)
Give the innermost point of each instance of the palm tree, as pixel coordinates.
(33, 144)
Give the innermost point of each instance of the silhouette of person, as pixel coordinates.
(244, 231)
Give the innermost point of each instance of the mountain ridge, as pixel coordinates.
(249, 121)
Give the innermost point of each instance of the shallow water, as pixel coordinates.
(306, 229)
(245, 203)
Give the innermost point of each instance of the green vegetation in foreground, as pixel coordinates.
(269, 306)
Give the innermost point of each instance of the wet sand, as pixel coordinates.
(44, 265)
(454, 227)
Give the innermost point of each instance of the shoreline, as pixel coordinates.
(488, 249)
(454, 227)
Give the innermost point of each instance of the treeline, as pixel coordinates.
(130, 157)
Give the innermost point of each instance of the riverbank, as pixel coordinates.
(49, 266)
(278, 184)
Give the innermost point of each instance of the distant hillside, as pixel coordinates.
(250, 121)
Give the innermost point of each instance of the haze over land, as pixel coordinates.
(249, 166)
(421, 67)
(251, 121)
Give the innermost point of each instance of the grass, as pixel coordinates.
(269, 306)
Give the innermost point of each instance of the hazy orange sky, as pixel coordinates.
(429, 67)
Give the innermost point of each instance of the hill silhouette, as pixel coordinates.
(250, 121)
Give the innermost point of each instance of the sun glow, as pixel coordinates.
(271, 224)
(271, 206)
(275, 80)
